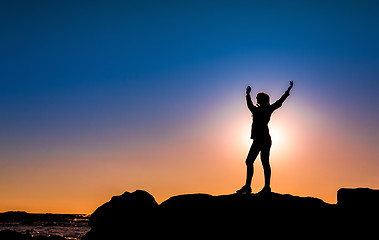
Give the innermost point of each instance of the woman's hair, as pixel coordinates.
(263, 98)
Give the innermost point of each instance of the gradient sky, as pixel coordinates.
(101, 97)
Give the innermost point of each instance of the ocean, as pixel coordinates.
(70, 226)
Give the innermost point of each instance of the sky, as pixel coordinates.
(102, 97)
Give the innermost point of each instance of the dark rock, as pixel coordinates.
(12, 235)
(123, 215)
(358, 210)
(361, 199)
(127, 207)
(234, 214)
(201, 216)
(15, 217)
(272, 201)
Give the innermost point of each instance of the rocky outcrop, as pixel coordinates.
(202, 216)
(241, 215)
(139, 205)
(123, 216)
(133, 214)
(358, 199)
(18, 216)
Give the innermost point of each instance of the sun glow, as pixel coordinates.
(276, 135)
(280, 139)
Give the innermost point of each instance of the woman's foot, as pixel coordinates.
(244, 190)
(265, 190)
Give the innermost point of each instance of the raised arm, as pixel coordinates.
(250, 104)
(279, 102)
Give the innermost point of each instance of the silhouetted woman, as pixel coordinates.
(261, 136)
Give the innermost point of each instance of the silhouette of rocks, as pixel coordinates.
(202, 216)
(18, 216)
(137, 215)
(203, 203)
(239, 215)
(358, 210)
(123, 216)
(358, 199)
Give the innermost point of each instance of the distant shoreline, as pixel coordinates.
(23, 225)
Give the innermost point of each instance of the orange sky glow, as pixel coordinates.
(207, 156)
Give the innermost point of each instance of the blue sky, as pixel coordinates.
(93, 59)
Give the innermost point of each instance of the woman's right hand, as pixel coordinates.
(248, 90)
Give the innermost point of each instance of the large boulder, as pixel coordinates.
(123, 216)
(358, 199)
(358, 211)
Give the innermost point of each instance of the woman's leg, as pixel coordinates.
(253, 153)
(265, 158)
